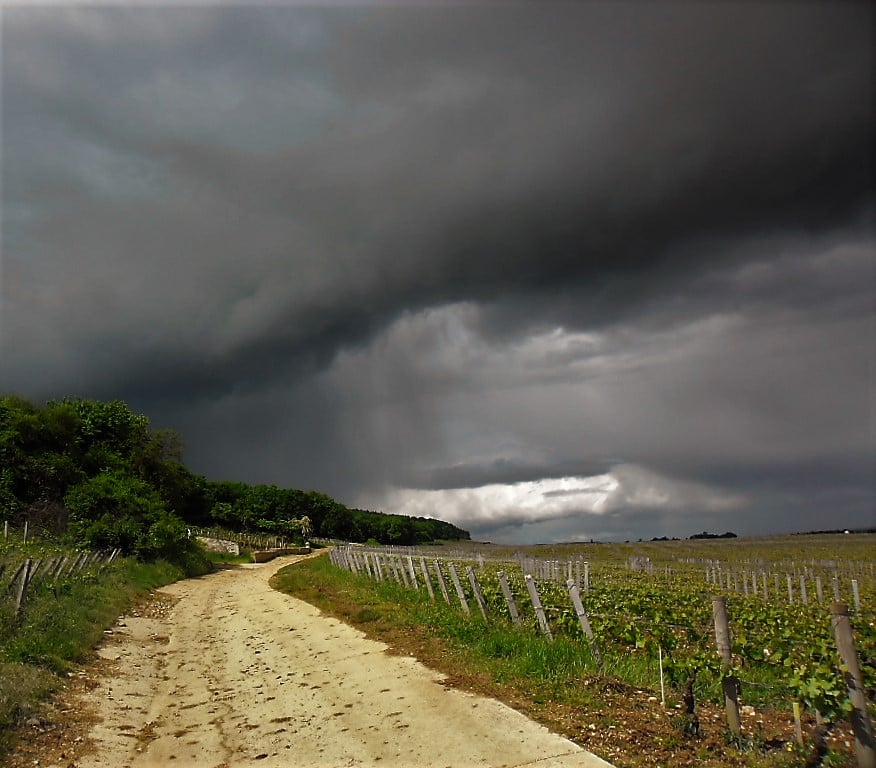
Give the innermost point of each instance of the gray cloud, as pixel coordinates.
(370, 248)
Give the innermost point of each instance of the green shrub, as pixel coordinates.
(114, 509)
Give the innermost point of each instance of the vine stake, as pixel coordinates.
(730, 684)
(861, 725)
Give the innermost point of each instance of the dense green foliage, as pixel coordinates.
(97, 473)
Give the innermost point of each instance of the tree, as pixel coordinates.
(107, 435)
(401, 530)
(116, 509)
(101, 467)
(337, 523)
(38, 459)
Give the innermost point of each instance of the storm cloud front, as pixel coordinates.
(548, 271)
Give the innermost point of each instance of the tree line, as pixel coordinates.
(99, 475)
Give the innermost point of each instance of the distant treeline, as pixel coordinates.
(836, 530)
(97, 473)
(267, 508)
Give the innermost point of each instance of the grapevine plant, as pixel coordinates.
(786, 650)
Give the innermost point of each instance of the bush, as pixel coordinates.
(115, 509)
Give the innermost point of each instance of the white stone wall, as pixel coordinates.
(219, 545)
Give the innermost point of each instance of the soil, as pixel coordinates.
(223, 671)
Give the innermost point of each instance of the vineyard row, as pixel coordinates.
(795, 649)
(17, 581)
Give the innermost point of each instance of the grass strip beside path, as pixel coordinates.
(58, 629)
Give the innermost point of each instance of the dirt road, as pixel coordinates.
(237, 674)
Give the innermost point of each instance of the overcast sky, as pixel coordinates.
(548, 271)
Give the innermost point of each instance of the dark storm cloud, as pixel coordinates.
(464, 172)
(344, 236)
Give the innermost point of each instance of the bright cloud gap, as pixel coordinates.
(578, 501)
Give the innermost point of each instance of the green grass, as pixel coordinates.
(227, 558)
(496, 650)
(22, 687)
(59, 626)
(511, 654)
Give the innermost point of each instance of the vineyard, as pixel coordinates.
(652, 616)
(28, 567)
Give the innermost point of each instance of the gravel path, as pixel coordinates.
(237, 674)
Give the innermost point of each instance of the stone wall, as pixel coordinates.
(219, 545)
(269, 554)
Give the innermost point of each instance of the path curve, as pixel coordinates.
(237, 674)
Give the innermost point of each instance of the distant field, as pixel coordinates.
(769, 548)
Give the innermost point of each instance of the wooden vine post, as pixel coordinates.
(730, 683)
(425, 571)
(393, 568)
(413, 572)
(477, 591)
(403, 571)
(441, 582)
(454, 577)
(865, 750)
(22, 587)
(536, 604)
(856, 596)
(509, 598)
(585, 623)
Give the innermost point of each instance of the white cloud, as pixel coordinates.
(502, 506)
(497, 503)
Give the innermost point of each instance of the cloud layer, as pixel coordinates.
(463, 260)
